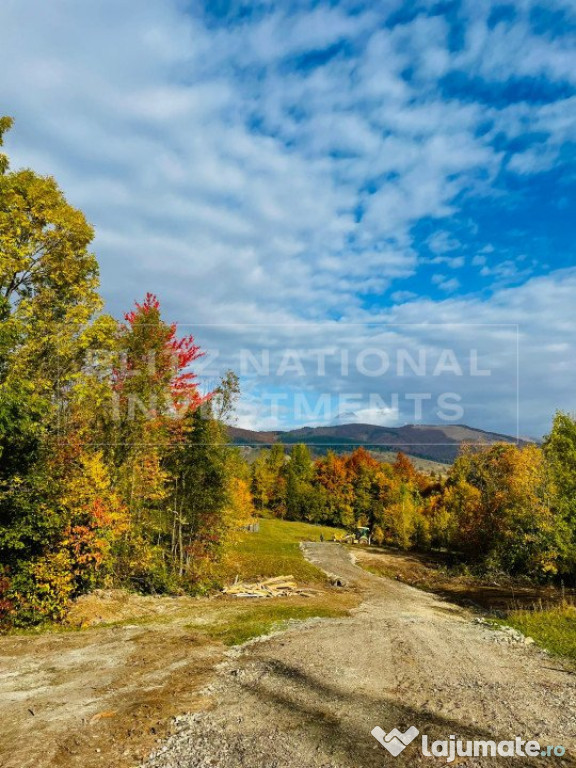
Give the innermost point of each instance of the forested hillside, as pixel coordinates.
(500, 508)
(435, 442)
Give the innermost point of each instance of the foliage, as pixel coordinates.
(110, 470)
(199, 497)
(42, 587)
(6, 603)
(560, 453)
(347, 491)
(500, 499)
(502, 507)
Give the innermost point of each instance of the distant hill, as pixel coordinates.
(433, 442)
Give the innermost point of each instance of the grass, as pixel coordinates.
(275, 551)
(552, 628)
(265, 616)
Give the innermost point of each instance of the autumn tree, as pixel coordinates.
(500, 499)
(153, 393)
(265, 477)
(333, 476)
(110, 472)
(48, 278)
(48, 300)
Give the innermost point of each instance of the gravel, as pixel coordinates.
(309, 697)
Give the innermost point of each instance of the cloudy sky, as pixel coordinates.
(304, 175)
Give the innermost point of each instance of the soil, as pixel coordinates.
(108, 694)
(432, 571)
(309, 698)
(152, 690)
(104, 696)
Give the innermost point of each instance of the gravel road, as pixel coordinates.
(309, 697)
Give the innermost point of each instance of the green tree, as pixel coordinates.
(560, 453)
(200, 496)
(301, 501)
(263, 480)
(48, 297)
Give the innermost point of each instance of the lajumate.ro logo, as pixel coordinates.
(396, 741)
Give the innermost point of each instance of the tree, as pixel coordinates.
(153, 394)
(110, 472)
(48, 277)
(500, 500)
(48, 297)
(332, 474)
(301, 501)
(264, 478)
(152, 379)
(560, 452)
(200, 496)
(404, 469)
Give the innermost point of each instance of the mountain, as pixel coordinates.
(434, 442)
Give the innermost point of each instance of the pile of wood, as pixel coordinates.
(279, 586)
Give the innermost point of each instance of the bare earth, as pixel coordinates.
(103, 696)
(308, 698)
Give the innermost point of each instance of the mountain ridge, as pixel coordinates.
(436, 442)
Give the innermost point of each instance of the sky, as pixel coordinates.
(382, 181)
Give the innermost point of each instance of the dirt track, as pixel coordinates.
(97, 698)
(310, 697)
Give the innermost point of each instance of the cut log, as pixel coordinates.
(277, 586)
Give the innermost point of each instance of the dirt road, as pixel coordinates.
(102, 697)
(309, 698)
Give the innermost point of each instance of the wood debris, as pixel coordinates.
(279, 586)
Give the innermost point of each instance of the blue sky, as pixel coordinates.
(321, 162)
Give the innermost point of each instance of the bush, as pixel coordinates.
(41, 590)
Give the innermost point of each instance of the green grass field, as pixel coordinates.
(552, 628)
(274, 551)
(250, 619)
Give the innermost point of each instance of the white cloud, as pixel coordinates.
(195, 149)
(401, 296)
(513, 49)
(523, 336)
(239, 187)
(448, 284)
(442, 242)
(454, 262)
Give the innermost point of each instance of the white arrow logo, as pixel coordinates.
(395, 741)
